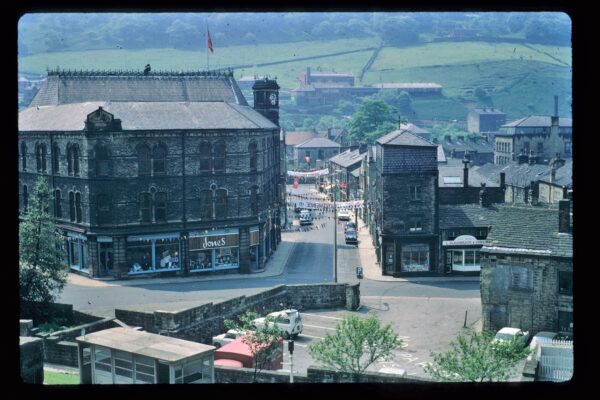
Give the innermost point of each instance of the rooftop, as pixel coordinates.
(348, 158)
(318, 142)
(297, 137)
(538, 121)
(521, 175)
(488, 111)
(454, 169)
(403, 138)
(146, 344)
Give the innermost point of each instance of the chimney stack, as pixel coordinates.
(564, 216)
(502, 180)
(554, 118)
(522, 158)
(362, 148)
(532, 158)
(534, 193)
(466, 169)
(483, 196)
(556, 106)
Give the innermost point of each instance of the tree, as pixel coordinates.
(356, 344)
(264, 342)
(477, 359)
(373, 119)
(42, 274)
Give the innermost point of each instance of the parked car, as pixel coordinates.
(288, 321)
(343, 216)
(305, 217)
(506, 334)
(350, 226)
(351, 238)
(227, 337)
(542, 337)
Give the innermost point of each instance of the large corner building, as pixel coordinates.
(156, 173)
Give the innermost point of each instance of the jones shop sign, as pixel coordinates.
(213, 242)
(464, 240)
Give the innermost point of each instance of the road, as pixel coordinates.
(426, 316)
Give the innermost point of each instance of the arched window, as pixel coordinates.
(221, 204)
(253, 155)
(24, 156)
(159, 159)
(160, 207)
(78, 207)
(38, 157)
(55, 158)
(75, 155)
(25, 198)
(70, 159)
(57, 204)
(220, 156)
(102, 161)
(206, 204)
(103, 209)
(43, 156)
(145, 214)
(254, 200)
(144, 161)
(205, 156)
(72, 206)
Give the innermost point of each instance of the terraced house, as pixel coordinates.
(156, 173)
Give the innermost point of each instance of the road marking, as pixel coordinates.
(310, 336)
(320, 327)
(322, 316)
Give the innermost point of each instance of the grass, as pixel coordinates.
(60, 378)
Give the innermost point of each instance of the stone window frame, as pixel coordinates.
(73, 159)
(72, 206)
(415, 192)
(102, 158)
(253, 155)
(57, 203)
(159, 206)
(145, 207)
(205, 156)
(103, 212)
(206, 204)
(220, 156)
(40, 157)
(78, 208)
(521, 278)
(568, 291)
(144, 159)
(55, 159)
(220, 203)
(254, 198)
(416, 224)
(159, 159)
(23, 155)
(25, 198)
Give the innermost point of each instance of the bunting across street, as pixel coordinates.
(310, 173)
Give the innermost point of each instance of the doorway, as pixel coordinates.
(105, 258)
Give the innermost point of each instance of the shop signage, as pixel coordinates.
(213, 242)
(464, 240)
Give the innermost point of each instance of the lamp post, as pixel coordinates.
(335, 236)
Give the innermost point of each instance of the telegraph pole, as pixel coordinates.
(334, 237)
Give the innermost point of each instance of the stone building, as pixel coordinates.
(527, 270)
(344, 173)
(485, 120)
(480, 151)
(314, 153)
(156, 173)
(405, 205)
(544, 136)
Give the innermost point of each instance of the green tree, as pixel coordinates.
(42, 274)
(356, 344)
(264, 342)
(477, 359)
(373, 119)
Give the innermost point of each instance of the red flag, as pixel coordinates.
(209, 41)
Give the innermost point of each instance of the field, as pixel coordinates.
(519, 78)
(60, 378)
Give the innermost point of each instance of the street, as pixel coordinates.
(427, 316)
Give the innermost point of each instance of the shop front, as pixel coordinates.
(406, 256)
(105, 255)
(462, 255)
(153, 253)
(77, 252)
(254, 247)
(214, 250)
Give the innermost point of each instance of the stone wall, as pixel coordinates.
(201, 323)
(61, 352)
(31, 352)
(46, 312)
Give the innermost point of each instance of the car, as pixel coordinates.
(350, 237)
(542, 337)
(350, 226)
(506, 334)
(227, 337)
(343, 216)
(289, 321)
(305, 217)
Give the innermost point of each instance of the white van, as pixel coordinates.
(288, 321)
(305, 217)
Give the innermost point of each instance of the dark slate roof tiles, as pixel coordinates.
(403, 138)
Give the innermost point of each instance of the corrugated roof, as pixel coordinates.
(318, 142)
(70, 88)
(403, 138)
(145, 116)
(537, 121)
(146, 344)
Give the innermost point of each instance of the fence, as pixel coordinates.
(555, 361)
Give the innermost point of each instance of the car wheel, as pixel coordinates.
(286, 335)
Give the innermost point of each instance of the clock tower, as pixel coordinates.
(266, 99)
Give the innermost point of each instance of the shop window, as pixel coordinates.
(221, 204)
(57, 205)
(55, 158)
(565, 283)
(143, 160)
(206, 204)
(159, 159)
(24, 156)
(205, 157)
(160, 207)
(145, 214)
(521, 278)
(74, 258)
(78, 207)
(102, 161)
(103, 209)
(139, 256)
(415, 257)
(254, 200)
(72, 206)
(201, 259)
(253, 155)
(227, 257)
(25, 198)
(414, 192)
(167, 254)
(220, 156)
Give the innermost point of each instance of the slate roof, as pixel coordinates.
(480, 146)
(297, 137)
(441, 157)
(536, 121)
(454, 167)
(521, 175)
(403, 138)
(414, 129)
(68, 88)
(145, 116)
(318, 142)
(520, 229)
(348, 158)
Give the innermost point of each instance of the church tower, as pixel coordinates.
(266, 99)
